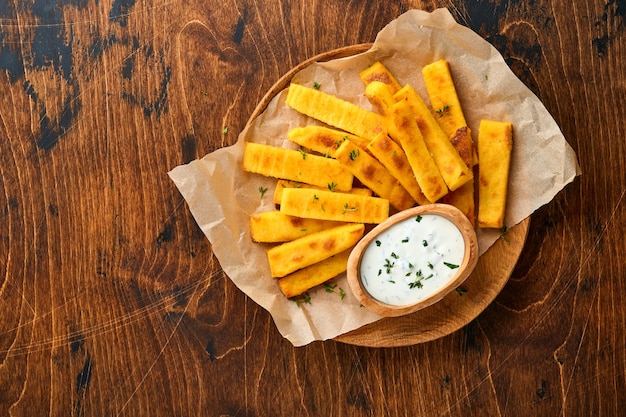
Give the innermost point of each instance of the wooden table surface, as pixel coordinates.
(111, 302)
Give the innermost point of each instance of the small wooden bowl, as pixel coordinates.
(466, 267)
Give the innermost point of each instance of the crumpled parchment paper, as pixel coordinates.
(222, 197)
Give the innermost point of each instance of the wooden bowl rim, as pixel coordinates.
(470, 258)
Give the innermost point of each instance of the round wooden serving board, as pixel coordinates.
(459, 307)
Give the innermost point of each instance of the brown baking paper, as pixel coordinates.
(222, 197)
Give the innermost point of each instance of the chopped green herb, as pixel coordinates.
(335, 289)
(342, 293)
(388, 265)
(430, 265)
(316, 85)
(225, 130)
(394, 255)
(416, 284)
(347, 208)
(204, 92)
(332, 186)
(405, 240)
(461, 291)
(354, 154)
(262, 191)
(443, 111)
(503, 233)
(339, 142)
(418, 280)
(418, 218)
(378, 242)
(424, 243)
(302, 299)
(302, 153)
(451, 266)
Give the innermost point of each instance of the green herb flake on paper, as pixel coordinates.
(302, 299)
(335, 289)
(443, 111)
(503, 235)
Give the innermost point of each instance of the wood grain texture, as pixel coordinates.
(111, 303)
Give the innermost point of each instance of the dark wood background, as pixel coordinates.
(111, 303)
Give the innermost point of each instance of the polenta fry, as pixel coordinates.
(426, 172)
(303, 280)
(326, 205)
(335, 111)
(294, 165)
(311, 249)
(495, 141)
(453, 169)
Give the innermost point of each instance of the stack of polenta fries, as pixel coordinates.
(361, 164)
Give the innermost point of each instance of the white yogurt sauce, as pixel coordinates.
(412, 259)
